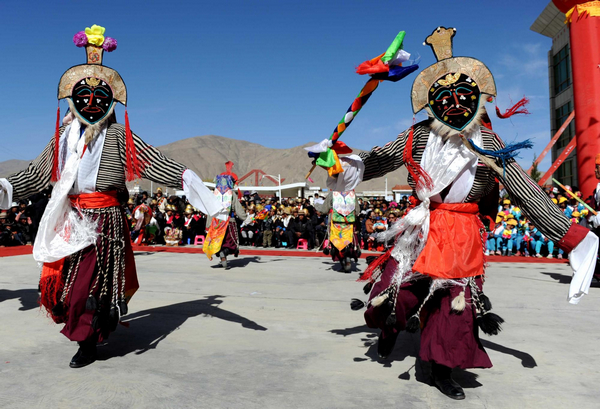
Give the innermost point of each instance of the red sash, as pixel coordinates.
(96, 200)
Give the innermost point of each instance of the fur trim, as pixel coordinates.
(459, 303)
(91, 131)
(445, 131)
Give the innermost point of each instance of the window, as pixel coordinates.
(562, 70)
(561, 115)
(564, 173)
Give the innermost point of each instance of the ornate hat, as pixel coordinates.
(95, 44)
(451, 89)
(91, 90)
(189, 209)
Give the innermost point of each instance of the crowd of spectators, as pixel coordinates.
(270, 222)
(19, 224)
(512, 234)
(280, 223)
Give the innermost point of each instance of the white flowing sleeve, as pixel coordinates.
(201, 197)
(583, 262)
(6, 194)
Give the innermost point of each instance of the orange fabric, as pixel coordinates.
(337, 167)
(96, 200)
(598, 159)
(454, 247)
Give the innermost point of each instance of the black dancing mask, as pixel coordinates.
(454, 100)
(92, 98)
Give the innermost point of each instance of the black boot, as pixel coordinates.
(386, 343)
(442, 378)
(85, 355)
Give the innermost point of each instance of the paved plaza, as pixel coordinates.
(277, 332)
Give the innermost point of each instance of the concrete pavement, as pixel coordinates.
(279, 333)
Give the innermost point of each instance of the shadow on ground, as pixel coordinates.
(149, 327)
(336, 266)
(407, 345)
(561, 278)
(239, 262)
(28, 297)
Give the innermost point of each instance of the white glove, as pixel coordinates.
(595, 220)
(6, 193)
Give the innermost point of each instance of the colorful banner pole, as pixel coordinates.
(559, 161)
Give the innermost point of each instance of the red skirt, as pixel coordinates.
(454, 247)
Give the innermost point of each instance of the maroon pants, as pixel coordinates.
(448, 337)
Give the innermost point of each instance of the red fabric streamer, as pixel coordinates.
(341, 148)
(51, 286)
(378, 263)
(373, 66)
(134, 168)
(514, 110)
(55, 171)
(421, 178)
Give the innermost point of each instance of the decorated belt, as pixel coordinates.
(96, 200)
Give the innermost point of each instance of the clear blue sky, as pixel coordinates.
(278, 73)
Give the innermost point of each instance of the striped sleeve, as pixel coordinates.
(158, 167)
(535, 204)
(382, 160)
(386, 159)
(36, 177)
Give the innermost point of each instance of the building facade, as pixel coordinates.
(550, 23)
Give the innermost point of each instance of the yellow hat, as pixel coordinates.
(130, 201)
(562, 200)
(554, 200)
(506, 202)
(584, 212)
(512, 222)
(510, 216)
(158, 190)
(576, 214)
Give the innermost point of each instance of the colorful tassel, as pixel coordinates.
(514, 109)
(421, 178)
(375, 264)
(510, 151)
(55, 170)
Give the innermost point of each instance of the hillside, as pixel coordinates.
(206, 155)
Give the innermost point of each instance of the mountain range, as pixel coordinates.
(206, 155)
